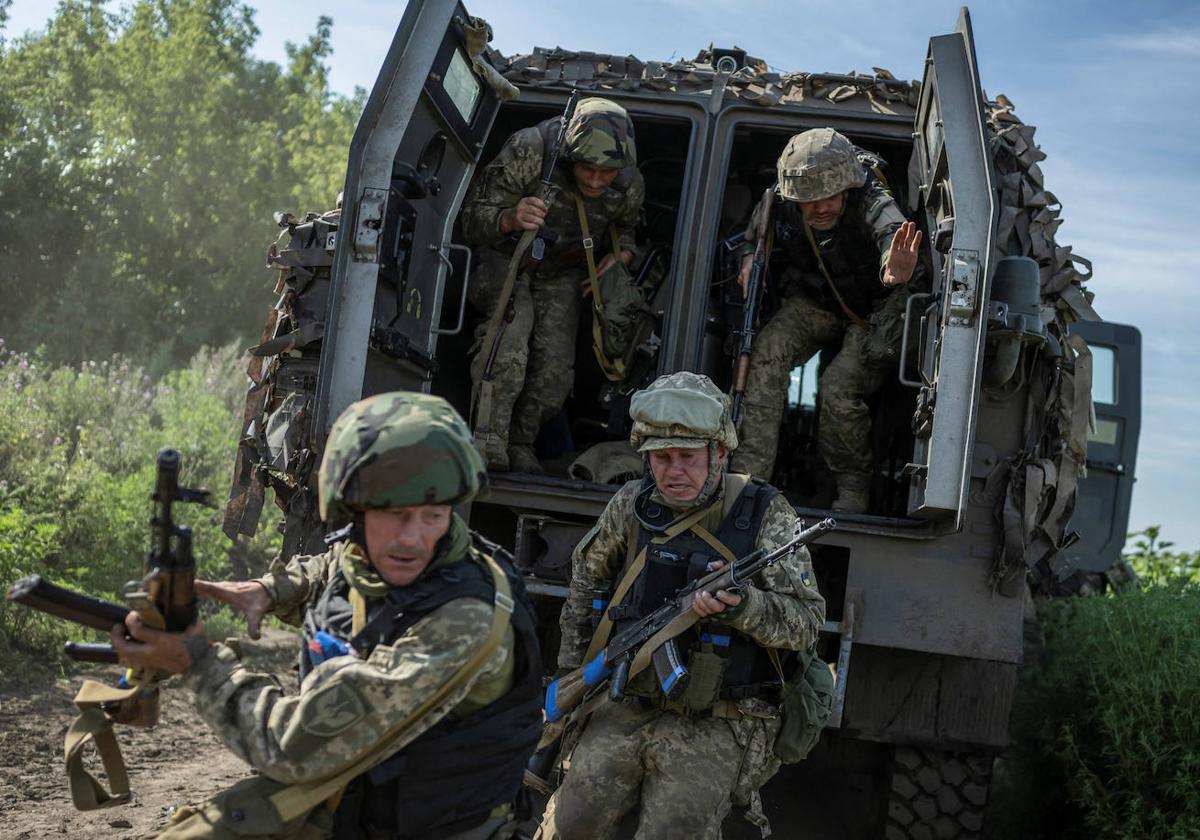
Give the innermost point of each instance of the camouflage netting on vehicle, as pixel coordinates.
(753, 83)
(1034, 491)
(274, 449)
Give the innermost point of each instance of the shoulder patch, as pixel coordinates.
(333, 709)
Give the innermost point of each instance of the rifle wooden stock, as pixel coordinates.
(40, 594)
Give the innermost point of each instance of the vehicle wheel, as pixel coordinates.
(937, 795)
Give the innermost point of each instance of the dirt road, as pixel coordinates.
(179, 761)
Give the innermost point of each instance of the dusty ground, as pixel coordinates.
(177, 762)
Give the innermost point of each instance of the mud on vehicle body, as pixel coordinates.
(1003, 447)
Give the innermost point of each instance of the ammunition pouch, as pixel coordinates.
(807, 705)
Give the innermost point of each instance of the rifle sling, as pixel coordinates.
(94, 724)
(846, 310)
(481, 401)
(613, 369)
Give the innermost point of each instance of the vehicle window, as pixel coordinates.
(802, 386)
(1104, 374)
(462, 86)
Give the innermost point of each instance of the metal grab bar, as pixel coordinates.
(466, 282)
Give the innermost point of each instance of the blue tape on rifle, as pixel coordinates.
(716, 639)
(552, 702)
(596, 671)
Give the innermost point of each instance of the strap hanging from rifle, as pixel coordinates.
(481, 396)
(613, 369)
(94, 724)
(846, 310)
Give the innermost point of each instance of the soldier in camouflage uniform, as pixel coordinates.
(682, 760)
(595, 183)
(850, 254)
(405, 601)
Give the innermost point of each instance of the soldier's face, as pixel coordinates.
(824, 213)
(680, 473)
(593, 180)
(401, 541)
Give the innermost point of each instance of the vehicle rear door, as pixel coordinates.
(1101, 515)
(416, 145)
(953, 182)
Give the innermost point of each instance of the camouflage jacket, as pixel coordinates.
(854, 252)
(346, 704)
(782, 610)
(516, 172)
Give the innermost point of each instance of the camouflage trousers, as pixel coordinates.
(535, 360)
(682, 773)
(868, 354)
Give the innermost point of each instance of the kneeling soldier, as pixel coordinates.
(680, 758)
(420, 690)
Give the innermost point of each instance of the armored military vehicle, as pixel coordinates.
(1003, 449)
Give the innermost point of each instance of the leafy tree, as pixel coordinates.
(143, 153)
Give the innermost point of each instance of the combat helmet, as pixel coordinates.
(683, 410)
(818, 163)
(397, 449)
(600, 133)
(688, 411)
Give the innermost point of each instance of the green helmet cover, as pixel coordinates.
(818, 163)
(684, 410)
(398, 449)
(601, 134)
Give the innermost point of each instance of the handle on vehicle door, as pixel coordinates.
(908, 310)
(466, 282)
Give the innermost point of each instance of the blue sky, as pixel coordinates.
(1110, 86)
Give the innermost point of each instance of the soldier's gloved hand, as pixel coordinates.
(902, 258)
(705, 605)
(247, 596)
(157, 650)
(744, 273)
(528, 214)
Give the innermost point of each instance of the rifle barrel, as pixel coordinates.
(40, 594)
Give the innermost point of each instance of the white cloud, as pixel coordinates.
(1176, 42)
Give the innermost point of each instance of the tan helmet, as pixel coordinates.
(818, 163)
(684, 410)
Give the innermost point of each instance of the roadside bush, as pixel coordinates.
(1107, 725)
(78, 447)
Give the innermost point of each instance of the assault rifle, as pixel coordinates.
(164, 596)
(762, 250)
(637, 646)
(650, 640)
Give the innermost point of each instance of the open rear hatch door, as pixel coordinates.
(952, 180)
(416, 145)
(1101, 515)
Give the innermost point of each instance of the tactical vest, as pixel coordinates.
(450, 777)
(848, 252)
(672, 565)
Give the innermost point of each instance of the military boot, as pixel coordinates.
(521, 459)
(495, 451)
(854, 493)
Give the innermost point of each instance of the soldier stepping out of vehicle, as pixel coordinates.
(420, 663)
(591, 208)
(850, 255)
(684, 753)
